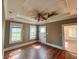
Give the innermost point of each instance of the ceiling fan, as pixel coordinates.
(41, 16)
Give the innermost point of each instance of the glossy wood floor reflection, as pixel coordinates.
(38, 51)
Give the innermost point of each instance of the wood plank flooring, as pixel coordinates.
(38, 51)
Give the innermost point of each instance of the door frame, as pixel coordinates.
(63, 40)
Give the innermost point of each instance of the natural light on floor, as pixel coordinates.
(36, 46)
(15, 54)
(66, 44)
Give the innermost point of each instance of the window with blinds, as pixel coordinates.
(33, 32)
(15, 33)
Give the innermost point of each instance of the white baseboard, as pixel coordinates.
(52, 45)
(17, 46)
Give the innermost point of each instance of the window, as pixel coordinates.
(73, 31)
(42, 29)
(33, 32)
(15, 33)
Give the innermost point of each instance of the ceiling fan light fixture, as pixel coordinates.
(41, 16)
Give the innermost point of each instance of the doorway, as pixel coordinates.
(70, 37)
(42, 34)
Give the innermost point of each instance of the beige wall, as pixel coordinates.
(25, 34)
(3, 24)
(54, 31)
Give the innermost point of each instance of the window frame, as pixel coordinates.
(63, 32)
(35, 33)
(71, 34)
(15, 25)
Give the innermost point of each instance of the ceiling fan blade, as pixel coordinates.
(43, 17)
(52, 14)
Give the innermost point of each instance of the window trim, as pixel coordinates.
(36, 32)
(63, 32)
(15, 25)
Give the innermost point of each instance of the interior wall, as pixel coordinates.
(3, 24)
(25, 34)
(54, 31)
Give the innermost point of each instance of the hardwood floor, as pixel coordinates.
(38, 51)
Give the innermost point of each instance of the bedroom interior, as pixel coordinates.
(39, 29)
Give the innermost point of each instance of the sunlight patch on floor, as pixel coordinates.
(36, 46)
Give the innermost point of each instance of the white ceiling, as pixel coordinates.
(24, 10)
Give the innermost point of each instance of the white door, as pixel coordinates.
(42, 34)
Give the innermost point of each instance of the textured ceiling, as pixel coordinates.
(25, 9)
